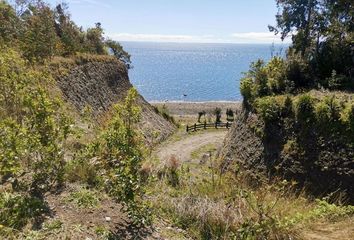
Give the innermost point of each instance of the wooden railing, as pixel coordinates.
(204, 126)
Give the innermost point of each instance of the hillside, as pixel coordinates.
(316, 152)
(98, 82)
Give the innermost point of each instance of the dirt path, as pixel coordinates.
(182, 149)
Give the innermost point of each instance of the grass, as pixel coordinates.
(84, 198)
(198, 153)
(212, 206)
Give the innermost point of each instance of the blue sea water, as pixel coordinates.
(193, 72)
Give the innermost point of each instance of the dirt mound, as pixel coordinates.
(319, 164)
(99, 85)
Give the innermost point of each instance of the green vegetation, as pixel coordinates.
(42, 33)
(305, 98)
(84, 198)
(163, 111)
(235, 206)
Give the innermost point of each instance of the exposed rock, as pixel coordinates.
(100, 84)
(322, 164)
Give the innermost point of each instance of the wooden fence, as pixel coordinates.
(203, 126)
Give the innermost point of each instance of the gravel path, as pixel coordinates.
(182, 149)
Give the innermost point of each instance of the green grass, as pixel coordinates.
(84, 198)
(209, 148)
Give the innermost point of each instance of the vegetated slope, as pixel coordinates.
(318, 155)
(101, 81)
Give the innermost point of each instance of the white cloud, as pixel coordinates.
(88, 2)
(251, 37)
(257, 37)
(162, 37)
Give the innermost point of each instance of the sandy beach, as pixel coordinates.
(192, 108)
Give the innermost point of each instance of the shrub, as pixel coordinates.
(164, 112)
(246, 88)
(338, 81)
(17, 210)
(84, 198)
(328, 112)
(217, 114)
(268, 108)
(304, 109)
(230, 115)
(276, 74)
(122, 154)
(347, 117)
(30, 115)
(172, 171)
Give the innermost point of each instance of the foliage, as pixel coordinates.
(268, 108)
(94, 40)
(33, 126)
(42, 33)
(321, 32)
(229, 115)
(304, 109)
(200, 115)
(217, 114)
(119, 52)
(17, 210)
(122, 152)
(164, 112)
(84, 198)
(39, 39)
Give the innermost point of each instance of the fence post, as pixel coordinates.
(216, 125)
(204, 125)
(187, 128)
(227, 125)
(195, 127)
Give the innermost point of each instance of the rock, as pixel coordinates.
(100, 85)
(108, 219)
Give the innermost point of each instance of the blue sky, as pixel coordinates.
(219, 21)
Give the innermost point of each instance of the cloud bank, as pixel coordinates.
(250, 37)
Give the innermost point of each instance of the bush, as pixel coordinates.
(17, 210)
(347, 117)
(246, 88)
(328, 112)
(164, 112)
(268, 108)
(84, 198)
(304, 109)
(33, 126)
(338, 81)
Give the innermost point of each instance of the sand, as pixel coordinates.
(192, 108)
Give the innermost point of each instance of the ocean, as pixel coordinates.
(191, 71)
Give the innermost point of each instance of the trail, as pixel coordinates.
(182, 149)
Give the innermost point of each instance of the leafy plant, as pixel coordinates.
(84, 198)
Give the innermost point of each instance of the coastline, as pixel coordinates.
(183, 108)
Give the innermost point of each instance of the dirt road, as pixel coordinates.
(182, 149)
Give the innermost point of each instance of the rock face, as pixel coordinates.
(100, 84)
(320, 164)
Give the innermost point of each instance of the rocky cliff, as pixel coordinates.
(100, 83)
(320, 164)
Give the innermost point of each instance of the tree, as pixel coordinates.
(119, 52)
(200, 115)
(322, 32)
(70, 34)
(217, 113)
(39, 40)
(9, 23)
(95, 40)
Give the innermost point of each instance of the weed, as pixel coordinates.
(84, 198)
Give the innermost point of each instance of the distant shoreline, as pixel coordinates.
(184, 108)
(192, 102)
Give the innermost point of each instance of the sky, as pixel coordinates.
(204, 21)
